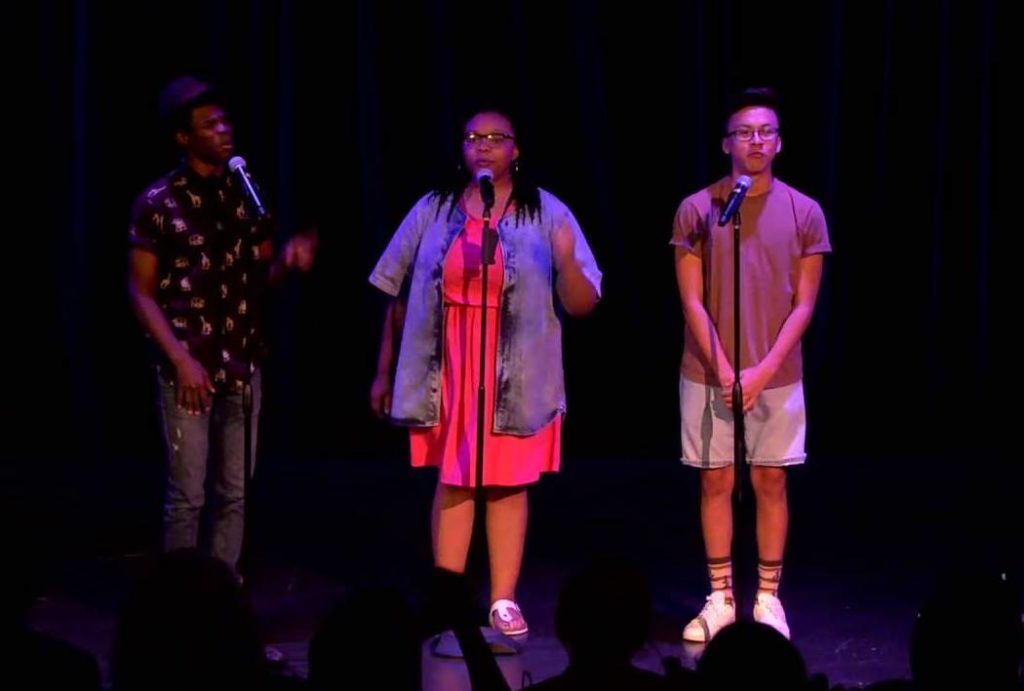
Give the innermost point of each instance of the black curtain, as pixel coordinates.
(347, 114)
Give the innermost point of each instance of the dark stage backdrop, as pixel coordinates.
(348, 114)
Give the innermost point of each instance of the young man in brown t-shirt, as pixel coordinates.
(782, 239)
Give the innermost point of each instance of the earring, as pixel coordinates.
(515, 166)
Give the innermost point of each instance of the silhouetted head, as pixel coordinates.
(604, 614)
(187, 624)
(748, 655)
(371, 636)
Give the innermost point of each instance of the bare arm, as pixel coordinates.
(575, 291)
(755, 378)
(298, 253)
(390, 340)
(193, 382)
(689, 275)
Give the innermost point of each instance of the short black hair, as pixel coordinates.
(755, 96)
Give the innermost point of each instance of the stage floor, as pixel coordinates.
(866, 547)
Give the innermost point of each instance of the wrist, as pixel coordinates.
(768, 367)
(179, 357)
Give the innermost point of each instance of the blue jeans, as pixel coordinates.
(197, 444)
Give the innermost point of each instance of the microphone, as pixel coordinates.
(485, 179)
(735, 199)
(237, 165)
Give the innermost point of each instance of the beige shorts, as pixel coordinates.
(775, 428)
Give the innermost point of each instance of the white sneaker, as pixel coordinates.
(717, 613)
(768, 610)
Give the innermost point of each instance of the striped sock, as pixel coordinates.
(720, 573)
(769, 573)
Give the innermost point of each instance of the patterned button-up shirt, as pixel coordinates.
(212, 278)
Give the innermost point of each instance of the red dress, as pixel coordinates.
(509, 460)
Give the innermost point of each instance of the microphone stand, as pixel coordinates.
(498, 641)
(739, 424)
(488, 246)
(739, 428)
(446, 644)
(247, 392)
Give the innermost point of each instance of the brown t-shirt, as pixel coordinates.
(778, 228)
(212, 278)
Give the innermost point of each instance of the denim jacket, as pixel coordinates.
(530, 388)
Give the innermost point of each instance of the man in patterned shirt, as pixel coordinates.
(200, 263)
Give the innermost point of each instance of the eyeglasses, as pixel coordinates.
(492, 138)
(745, 134)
